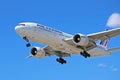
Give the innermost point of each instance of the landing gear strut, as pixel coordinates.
(61, 60)
(85, 54)
(28, 43)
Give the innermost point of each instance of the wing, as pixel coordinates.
(104, 34)
(95, 36)
(50, 51)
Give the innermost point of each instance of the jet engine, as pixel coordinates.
(80, 40)
(37, 52)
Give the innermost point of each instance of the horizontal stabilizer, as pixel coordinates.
(113, 49)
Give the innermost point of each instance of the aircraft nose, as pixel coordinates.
(17, 28)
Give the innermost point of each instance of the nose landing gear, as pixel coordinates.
(28, 45)
(27, 40)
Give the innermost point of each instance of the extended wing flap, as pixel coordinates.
(104, 34)
(49, 51)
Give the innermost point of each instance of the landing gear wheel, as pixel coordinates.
(85, 54)
(61, 60)
(28, 45)
(88, 55)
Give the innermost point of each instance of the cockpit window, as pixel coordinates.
(21, 24)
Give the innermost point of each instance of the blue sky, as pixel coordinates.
(71, 16)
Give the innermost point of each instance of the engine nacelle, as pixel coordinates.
(80, 40)
(37, 52)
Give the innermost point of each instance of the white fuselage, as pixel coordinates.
(54, 38)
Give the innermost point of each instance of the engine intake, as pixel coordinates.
(80, 39)
(37, 52)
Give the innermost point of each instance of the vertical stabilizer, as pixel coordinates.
(103, 43)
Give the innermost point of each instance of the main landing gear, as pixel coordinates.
(61, 60)
(85, 54)
(28, 43)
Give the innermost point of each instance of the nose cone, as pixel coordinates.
(25, 29)
(19, 30)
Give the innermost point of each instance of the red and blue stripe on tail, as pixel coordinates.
(103, 43)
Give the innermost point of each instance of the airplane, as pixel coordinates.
(63, 44)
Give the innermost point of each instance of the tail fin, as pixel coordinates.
(103, 43)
